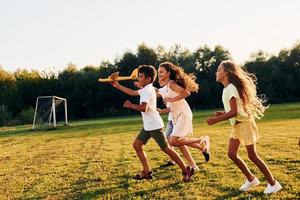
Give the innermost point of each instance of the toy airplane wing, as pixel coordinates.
(115, 77)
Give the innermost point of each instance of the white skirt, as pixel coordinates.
(182, 125)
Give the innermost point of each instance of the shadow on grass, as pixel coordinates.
(141, 193)
(97, 128)
(94, 194)
(127, 181)
(15, 132)
(110, 193)
(29, 131)
(234, 192)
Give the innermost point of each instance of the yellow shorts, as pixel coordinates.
(246, 132)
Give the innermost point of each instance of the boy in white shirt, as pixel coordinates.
(153, 124)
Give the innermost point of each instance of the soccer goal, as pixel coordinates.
(50, 111)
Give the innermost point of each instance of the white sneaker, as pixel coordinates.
(273, 189)
(196, 169)
(247, 185)
(207, 144)
(206, 150)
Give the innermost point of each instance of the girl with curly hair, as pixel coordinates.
(242, 106)
(178, 85)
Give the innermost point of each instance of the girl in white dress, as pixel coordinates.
(177, 83)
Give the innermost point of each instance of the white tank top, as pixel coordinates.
(180, 106)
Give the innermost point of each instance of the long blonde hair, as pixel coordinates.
(177, 74)
(246, 85)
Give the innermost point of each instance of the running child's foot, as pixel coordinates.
(273, 189)
(187, 174)
(144, 175)
(249, 184)
(206, 150)
(168, 164)
(196, 169)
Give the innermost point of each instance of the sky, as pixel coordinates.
(50, 34)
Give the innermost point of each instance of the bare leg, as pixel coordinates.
(169, 141)
(251, 149)
(177, 141)
(197, 146)
(187, 154)
(192, 142)
(137, 145)
(232, 154)
(173, 154)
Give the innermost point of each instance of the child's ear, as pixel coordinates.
(149, 79)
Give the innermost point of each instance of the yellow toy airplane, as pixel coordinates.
(115, 77)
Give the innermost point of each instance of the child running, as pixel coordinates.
(153, 124)
(178, 85)
(161, 92)
(241, 106)
(169, 128)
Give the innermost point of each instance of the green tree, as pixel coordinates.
(7, 95)
(146, 55)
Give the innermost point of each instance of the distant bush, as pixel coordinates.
(25, 116)
(5, 117)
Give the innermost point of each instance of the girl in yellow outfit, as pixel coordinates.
(241, 106)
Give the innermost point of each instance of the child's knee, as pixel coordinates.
(174, 142)
(137, 145)
(168, 150)
(232, 155)
(253, 157)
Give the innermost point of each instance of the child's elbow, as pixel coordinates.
(233, 113)
(143, 109)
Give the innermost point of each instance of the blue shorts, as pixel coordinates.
(169, 129)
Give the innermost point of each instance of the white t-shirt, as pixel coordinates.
(151, 117)
(163, 92)
(229, 92)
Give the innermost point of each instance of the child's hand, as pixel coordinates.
(114, 84)
(211, 120)
(127, 104)
(218, 113)
(137, 84)
(159, 110)
(166, 100)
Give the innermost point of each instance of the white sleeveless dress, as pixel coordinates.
(182, 115)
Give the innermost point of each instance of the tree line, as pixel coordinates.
(277, 77)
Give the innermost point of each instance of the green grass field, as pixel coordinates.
(95, 160)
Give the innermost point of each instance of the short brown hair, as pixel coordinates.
(149, 71)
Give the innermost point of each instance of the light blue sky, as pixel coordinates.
(41, 34)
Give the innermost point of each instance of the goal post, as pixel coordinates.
(49, 112)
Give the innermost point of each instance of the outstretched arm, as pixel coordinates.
(221, 116)
(126, 90)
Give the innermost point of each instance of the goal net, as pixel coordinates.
(50, 112)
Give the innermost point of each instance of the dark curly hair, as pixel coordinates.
(177, 74)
